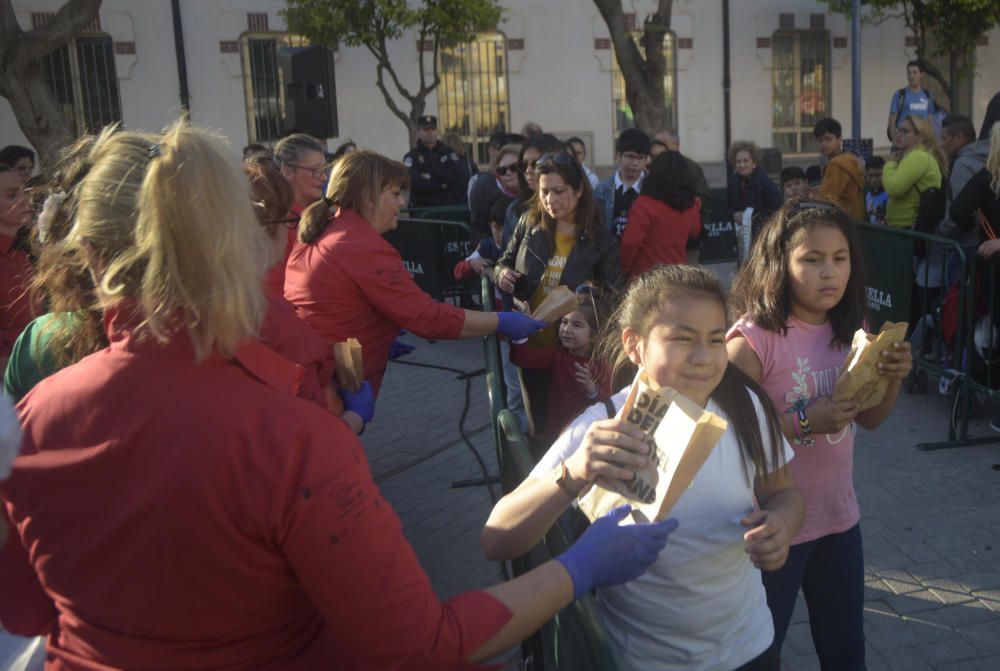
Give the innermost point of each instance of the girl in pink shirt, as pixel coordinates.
(801, 297)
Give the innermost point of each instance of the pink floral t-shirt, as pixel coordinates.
(798, 368)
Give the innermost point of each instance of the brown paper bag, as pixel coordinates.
(559, 303)
(681, 435)
(860, 380)
(350, 368)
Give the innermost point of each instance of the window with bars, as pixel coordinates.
(83, 78)
(473, 98)
(621, 112)
(801, 87)
(265, 101)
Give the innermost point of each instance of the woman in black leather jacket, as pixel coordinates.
(560, 240)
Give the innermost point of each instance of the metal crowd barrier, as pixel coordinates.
(575, 639)
(941, 315)
(457, 213)
(980, 362)
(430, 249)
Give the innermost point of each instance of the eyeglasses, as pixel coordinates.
(588, 290)
(512, 168)
(319, 173)
(291, 223)
(632, 156)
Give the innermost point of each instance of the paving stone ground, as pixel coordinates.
(931, 520)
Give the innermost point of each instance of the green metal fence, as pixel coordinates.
(575, 639)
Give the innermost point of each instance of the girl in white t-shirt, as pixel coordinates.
(701, 606)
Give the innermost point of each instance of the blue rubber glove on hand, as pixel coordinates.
(517, 326)
(398, 349)
(361, 401)
(608, 554)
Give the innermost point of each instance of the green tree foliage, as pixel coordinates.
(948, 29)
(372, 24)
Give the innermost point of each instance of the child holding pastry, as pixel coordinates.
(576, 381)
(802, 297)
(702, 604)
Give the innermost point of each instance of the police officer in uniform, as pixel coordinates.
(435, 169)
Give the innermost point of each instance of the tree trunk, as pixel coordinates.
(22, 81)
(37, 113)
(643, 76)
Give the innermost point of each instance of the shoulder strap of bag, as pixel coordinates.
(610, 408)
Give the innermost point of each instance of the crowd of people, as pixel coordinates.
(191, 488)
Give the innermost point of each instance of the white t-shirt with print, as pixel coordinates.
(701, 606)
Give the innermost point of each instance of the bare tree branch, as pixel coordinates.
(69, 21)
(629, 60)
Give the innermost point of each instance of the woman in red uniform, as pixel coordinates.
(302, 161)
(346, 281)
(175, 508)
(15, 269)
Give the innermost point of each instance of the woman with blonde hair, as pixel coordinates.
(183, 509)
(345, 280)
(73, 327)
(916, 164)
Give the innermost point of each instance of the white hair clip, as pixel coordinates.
(44, 224)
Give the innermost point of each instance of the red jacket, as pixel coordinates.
(184, 515)
(657, 233)
(566, 397)
(274, 280)
(284, 331)
(15, 308)
(352, 283)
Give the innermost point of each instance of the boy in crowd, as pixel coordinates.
(875, 196)
(615, 195)
(794, 182)
(488, 250)
(843, 179)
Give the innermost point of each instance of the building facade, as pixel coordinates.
(550, 62)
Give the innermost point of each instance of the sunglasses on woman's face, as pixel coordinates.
(513, 169)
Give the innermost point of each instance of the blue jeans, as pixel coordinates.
(830, 571)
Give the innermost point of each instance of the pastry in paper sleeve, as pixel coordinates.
(350, 368)
(860, 380)
(559, 303)
(681, 435)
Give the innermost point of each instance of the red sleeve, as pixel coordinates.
(696, 219)
(388, 287)
(537, 358)
(347, 549)
(25, 609)
(464, 271)
(635, 233)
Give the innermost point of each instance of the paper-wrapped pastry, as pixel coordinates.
(350, 368)
(559, 303)
(860, 380)
(681, 436)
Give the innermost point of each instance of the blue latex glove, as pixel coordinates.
(361, 401)
(517, 326)
(608, 554)
(398, 349)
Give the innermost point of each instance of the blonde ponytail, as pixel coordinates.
(171, 219)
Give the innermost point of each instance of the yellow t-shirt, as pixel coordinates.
(551, 278)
